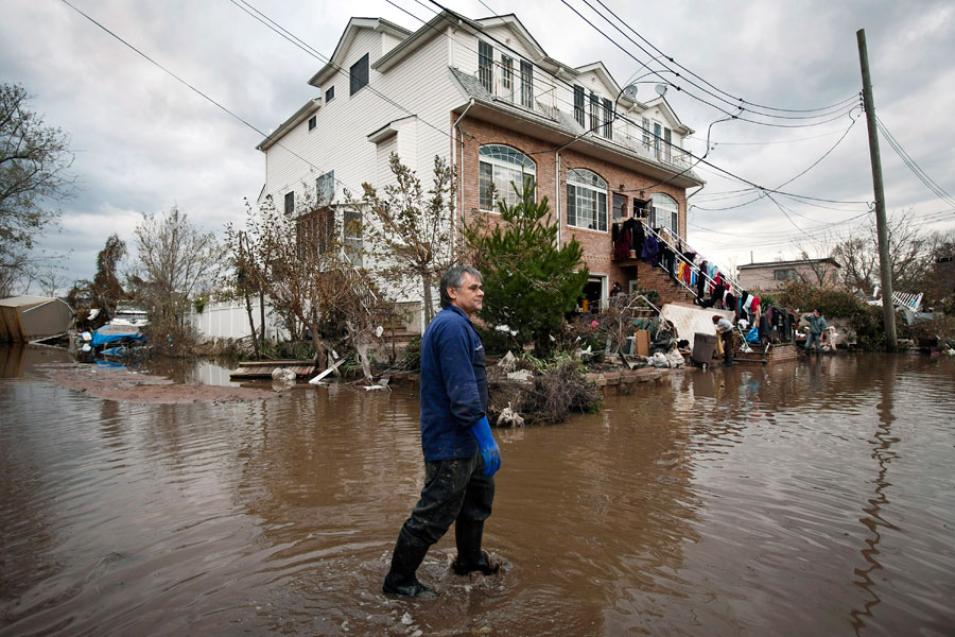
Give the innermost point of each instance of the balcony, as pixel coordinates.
(628, 135)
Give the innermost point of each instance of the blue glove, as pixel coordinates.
(481, 430)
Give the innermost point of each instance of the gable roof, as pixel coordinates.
(601, 70)
(668, 112)
(335, 62)
(511, 21)
(297, 118)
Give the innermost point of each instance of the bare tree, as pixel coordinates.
(909, 248)
(34, 159)
(311, 273)
(248, 275)
(410, 230)
(176, 261)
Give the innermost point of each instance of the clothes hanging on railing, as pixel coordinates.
(651, 250)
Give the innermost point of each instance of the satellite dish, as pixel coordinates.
(661, 89)
(631, 92)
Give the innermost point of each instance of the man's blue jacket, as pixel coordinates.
(453, 386)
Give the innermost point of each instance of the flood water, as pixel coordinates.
(803, 499)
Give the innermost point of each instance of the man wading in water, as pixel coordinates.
(460, 454)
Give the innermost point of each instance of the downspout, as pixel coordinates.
(557, 192)
(454, 165)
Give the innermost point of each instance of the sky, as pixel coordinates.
(144, 143)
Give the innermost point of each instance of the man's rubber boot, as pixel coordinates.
(471, 558)
(406, 559)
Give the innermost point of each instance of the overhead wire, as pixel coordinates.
(627, 119)
(192, 87)
(690, 93)
(913, 166)
(702, 79)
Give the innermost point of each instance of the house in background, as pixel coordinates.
(771, 276)
(486, 96)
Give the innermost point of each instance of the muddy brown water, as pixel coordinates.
(804, 499)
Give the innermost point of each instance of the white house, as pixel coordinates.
(485, 95)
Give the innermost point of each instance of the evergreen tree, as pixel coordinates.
(530, 282)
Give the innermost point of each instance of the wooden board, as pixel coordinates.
(264, 369)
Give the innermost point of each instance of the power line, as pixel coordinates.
(190, 86)
(734, 98)
(696, 97)
(912, 165)
(627, 119)
(275, 27)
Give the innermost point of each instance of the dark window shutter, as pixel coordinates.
(486, 181)
(579, 104)
(602, 211)
(358, 74)
(571, 205)
(289, 203)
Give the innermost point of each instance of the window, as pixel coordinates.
(329, 94)
(352, 230)
(507, 76)
(586, 200)
(501, 169)
(667, 144)
(619, 206)
(289, 203)
(527, 84)
(608, 119)
(667, 212)
(315, 231)
(485, 65)
(358, 74)
(325, 188)
(579, 104)
(311, 122)
(646, 132)
(785, 275)
(657, 129)
(594, 112)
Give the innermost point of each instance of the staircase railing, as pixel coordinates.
(671, 241)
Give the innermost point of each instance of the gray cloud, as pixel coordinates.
(143, 142)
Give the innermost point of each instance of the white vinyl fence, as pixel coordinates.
(229, 319)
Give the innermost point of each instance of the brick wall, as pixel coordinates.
(597, 246)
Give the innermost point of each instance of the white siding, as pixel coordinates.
(339, 142)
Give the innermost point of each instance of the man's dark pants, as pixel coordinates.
(454, 491)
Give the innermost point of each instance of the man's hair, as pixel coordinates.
(453, 278)
(716, 318)
(817, 310)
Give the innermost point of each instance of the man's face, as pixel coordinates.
(469, 297)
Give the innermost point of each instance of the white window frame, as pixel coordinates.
(667, 209)
(329, 186)
(503, 175)
(588, 187)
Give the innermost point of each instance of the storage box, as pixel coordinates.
(703, 347)
(641, 340)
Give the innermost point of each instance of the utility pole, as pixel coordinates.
(885, 263)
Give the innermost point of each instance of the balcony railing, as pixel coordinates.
(508, 89)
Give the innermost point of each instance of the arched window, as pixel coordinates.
(666, 212)
(502, 172)
(586, 199)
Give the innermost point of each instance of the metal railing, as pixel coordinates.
(508, 88)
(679, 255)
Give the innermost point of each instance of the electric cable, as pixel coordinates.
(702, 79)
(696, 97)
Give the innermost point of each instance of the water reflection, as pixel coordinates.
(723, 502)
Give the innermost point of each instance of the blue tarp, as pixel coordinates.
(99, 339)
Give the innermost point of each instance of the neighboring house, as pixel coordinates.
(484, 94)
(771, 276)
